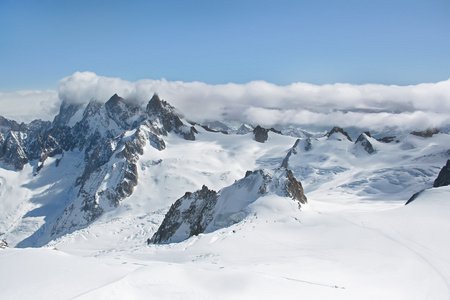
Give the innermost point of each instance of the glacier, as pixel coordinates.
(80, 197)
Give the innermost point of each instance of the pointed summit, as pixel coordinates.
(126, 114)
(114, 100)
(155, 105)
(363, 141)
(338, 131)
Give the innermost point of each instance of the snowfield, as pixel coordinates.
(354, 239)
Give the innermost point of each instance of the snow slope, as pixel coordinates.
(354, 239)
(277, 252)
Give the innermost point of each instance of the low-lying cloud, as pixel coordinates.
(373, 106)
(26, 106)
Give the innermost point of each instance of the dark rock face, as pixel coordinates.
(162, 112)
(294, 188)
(197, 215)
(274, 130)
(426, 133)
(206, 210)
(12, 152)
(443, 178)
(8, 125)
(388, 139)
(338, 130)
(364, 142)
(261, 134)
(126, 114)
(414, 197)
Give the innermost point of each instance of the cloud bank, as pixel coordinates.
(371, 106)
(26, 106)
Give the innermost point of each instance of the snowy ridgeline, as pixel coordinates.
(99, 180)
(207, 211)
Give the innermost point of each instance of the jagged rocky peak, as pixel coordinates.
(364, 142)
(66, 111)
(169, 119)
(245, 128)
(429, 132)
(280, 181)
(338, 133)
(443, 178)
(126, 114)
(11, 152)
(261, 134)
(7, 125)
(155, 105)
(38, 126)
(190, 215)
(206, 210)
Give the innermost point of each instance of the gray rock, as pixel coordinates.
(429, 132)
(261, 134)
(443, 178)
(364, 142)
(337, 129)
(206, 210)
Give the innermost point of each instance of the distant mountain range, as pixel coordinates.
(61, 176)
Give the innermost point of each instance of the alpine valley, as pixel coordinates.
(120, 200)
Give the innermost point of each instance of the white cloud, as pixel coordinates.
(25, 106)
(372, 106)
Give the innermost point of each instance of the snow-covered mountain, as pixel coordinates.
(96, 146)
(102, 179)
(207, 210)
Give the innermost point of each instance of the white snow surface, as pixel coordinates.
(355, 239)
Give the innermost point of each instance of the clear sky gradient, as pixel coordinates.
(220, 41)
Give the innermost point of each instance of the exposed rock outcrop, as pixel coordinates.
(364, 143)
(443, 178)
(261, 134)
(426, 133)
(111, 137)
(338, 133)
(3, 244)
(206, 210)
(193, 210)
(388, 139)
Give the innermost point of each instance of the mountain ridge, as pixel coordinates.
(104, 146)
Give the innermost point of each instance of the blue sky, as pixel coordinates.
(216, 42)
